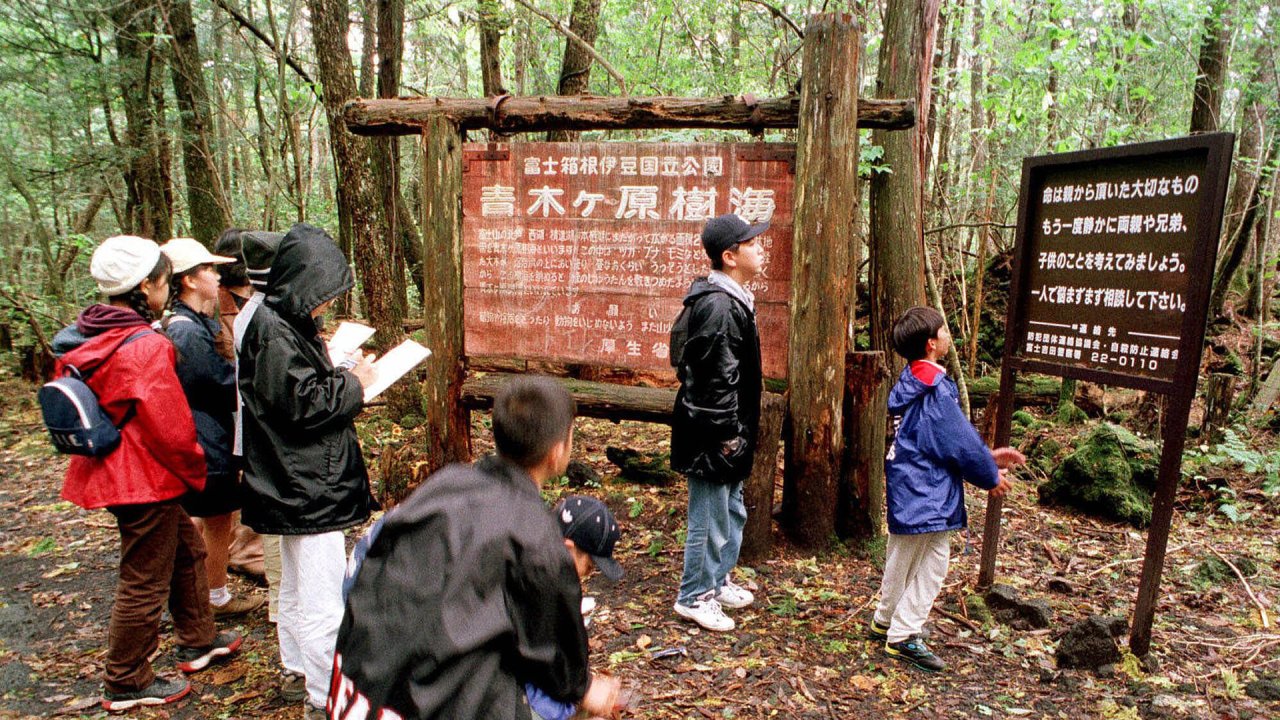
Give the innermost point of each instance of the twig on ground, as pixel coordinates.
(957, 618)
(1262, 610)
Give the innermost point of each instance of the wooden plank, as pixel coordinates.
(594, 399)
(407, 116)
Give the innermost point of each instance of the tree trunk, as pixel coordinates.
(208, 206)
(575, 71)
(493, 22)
(148, 205)
(825, 231)
(757, 491)
(357, 201)
(1238, 243)
(860, 511)
(897, 239)
(1211, 69)
(446, 419)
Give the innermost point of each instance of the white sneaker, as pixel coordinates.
(706, 613)
(734, 596)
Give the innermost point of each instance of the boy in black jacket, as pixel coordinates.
(715, 419)
(468, 591)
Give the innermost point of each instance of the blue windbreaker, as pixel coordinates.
(934, 448)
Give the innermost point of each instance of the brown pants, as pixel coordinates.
(161, 557)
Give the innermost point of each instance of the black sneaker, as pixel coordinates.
(914, 651)
(192, 660)
(876, 631)
(159, 692)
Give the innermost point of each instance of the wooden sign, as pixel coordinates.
(1115, 260)
(1113, 267)
(582, 252)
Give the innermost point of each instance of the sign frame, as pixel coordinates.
(1216, 149)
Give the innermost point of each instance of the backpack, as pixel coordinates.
(76, 422)
(679, 336)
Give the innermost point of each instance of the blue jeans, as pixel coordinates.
(714, 537)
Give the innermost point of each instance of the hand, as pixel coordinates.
(604, 697)
(363, 370)
(1003, 487)
(1007, 457)
(729, 447)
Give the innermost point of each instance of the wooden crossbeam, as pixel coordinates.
(408, 115)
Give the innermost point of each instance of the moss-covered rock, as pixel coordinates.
(1112, 473)
(652, 468)
(1070, 414)
(1023, 418)
(1042, 453)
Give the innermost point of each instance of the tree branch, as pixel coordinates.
(247, 24)
(935, 231)
(781, 16)
(573, 36)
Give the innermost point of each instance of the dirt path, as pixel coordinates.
(799, 652)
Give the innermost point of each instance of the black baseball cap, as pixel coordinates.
(589, 524)
(723, 232)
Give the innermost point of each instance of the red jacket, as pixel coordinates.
(158, 457)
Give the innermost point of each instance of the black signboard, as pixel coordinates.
(1115, 258)
(1114, 263)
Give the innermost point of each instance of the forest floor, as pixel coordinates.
(799, 652)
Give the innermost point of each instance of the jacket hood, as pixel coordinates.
(908, 389)
(99, 318)
(93, 350)
(308, 271)
(699, 287)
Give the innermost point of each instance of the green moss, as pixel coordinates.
(978, 610)
(1112, 474)
(1069, 414)
(1023, 418)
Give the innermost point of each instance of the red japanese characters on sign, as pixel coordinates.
(582, 252)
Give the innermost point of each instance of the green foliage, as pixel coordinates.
(1232, 453)
(1111, 473)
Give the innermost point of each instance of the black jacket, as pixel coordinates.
(720, 384)
(466, 594)
(208, 381)
(303, 469)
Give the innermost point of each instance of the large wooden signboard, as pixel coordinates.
(1114, 262)
(582, 252)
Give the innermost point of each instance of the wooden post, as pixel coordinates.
(825, 194)
(447, 420)
(866, 393)
(1218, 395)
(757, 492)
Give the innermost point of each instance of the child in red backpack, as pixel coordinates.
(131, 370)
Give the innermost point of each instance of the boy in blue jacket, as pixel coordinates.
(934, 450)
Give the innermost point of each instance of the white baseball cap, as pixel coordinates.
(122, 262)
(186, 253)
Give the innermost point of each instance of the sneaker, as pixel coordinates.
(914, 651)
(876, 631)
(192, 660)
(238, 605)
(733, 596)
(159, 692)
(293, 686)
(707, 613)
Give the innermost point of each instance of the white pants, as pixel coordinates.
(311, 570)
(914, 568)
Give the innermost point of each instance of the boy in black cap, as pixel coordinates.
(715, 419)
(467, 593)
(590, 532)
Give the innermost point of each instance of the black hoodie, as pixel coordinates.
(303, 468)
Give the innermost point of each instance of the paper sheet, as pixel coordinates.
(347, 339)
(393, 366)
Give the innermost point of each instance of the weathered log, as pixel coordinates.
(825, 231)
(866, 393)
(757, 491)
(594, 399)
(409, 115)
(449, 429)
(1266, 397)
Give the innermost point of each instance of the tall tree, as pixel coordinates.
(493, 22)
(575, 71)
(359, 210)
(1211, 69)
(207, 204)
(148, 209)
(897, 240)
